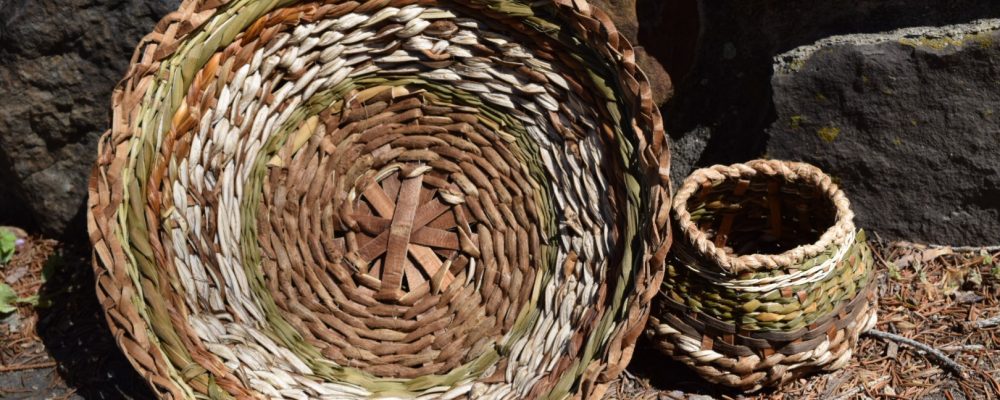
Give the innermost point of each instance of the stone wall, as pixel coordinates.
(59, 60)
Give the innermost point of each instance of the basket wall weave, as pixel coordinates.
(384, 198)
(769, 280)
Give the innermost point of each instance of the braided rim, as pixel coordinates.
(120, 287)
(837, 235)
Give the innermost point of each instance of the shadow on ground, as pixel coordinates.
(667, 375)
(76, 333)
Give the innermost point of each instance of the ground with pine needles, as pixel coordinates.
(57, 345)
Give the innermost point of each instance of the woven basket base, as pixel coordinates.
(831, 349)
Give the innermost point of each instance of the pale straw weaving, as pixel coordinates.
(384, 198)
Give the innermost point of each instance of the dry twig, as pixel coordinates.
(990, 249)
(24, 367)
(985, 323)
(927, 349)
(962, 348)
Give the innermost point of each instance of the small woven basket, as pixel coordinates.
(768, 280)
(381, 198)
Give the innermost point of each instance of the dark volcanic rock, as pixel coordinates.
(722, 76)
(59, 60)
(908, 122)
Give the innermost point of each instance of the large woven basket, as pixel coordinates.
(769, 279)
(385, 198)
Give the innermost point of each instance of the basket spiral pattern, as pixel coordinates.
(769, 279)
(382, 198)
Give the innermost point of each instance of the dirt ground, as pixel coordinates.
(61, 348)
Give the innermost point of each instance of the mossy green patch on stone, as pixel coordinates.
(931, 43)
(984, 40)
(828, 133)
(797, 64)
(795, 122)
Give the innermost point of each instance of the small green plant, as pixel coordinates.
(894, 272)
(8, 244)
(8, 298)
(989, 262)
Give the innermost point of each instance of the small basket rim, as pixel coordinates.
(840, 232)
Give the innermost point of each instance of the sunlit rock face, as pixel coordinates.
(907, 121)
(58, 63)
(733, 101)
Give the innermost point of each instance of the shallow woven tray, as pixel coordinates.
(769, 279)
(390, 198)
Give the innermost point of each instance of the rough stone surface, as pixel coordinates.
(722, 65)
(907, 121)
(59, 60)
(684, 152)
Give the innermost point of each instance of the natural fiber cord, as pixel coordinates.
(769, 280)
(384, 198)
